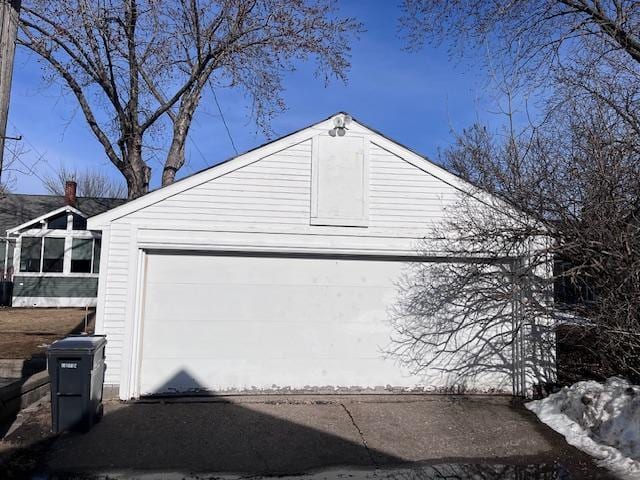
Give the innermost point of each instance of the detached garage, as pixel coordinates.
(275, 271)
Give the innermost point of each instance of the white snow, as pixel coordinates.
(602, 420)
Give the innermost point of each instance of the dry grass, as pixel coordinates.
(29, 331)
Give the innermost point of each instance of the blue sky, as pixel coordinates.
(416, 98)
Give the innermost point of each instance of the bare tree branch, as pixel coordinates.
(90, 183)
(138, 68)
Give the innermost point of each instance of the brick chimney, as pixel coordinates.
(70, 193)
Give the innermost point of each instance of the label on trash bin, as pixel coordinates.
(68, 365)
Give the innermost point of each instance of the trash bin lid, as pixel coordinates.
(79, 343)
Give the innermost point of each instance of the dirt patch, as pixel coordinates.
(25, 332)
(23, 451)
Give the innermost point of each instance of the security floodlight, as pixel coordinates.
(340, 123)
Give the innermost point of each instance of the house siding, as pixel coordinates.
(63, 286)
(403, 197)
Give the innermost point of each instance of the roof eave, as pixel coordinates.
(65, 208)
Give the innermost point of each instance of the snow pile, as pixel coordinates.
(602, 420)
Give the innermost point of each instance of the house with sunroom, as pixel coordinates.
(47, 255)
(277, 271)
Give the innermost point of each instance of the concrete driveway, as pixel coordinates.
(288, 435)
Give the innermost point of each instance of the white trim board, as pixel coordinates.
(53, 302)
(66, 208)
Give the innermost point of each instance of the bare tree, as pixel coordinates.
(90, 183)
(570, 194)
(139, 68)
(575, 176)
(544, 33)
(563, 48)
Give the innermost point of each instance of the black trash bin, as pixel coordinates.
(6, 292)
(76, 370)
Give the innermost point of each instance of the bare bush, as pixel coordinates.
(574, 176)
(90, 183)
(576, 187)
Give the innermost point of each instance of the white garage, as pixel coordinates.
(276, 271)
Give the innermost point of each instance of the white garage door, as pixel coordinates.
(225, 323)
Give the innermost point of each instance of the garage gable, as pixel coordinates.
(309, 178)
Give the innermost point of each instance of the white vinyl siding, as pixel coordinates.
(114, 310)
(274, 190)
(403, 197)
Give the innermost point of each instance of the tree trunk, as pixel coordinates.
(135, 171)
(138, 181)
(181, 125)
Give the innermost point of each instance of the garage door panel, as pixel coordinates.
(315, 340)
(293, 302)
(233, 374)
(245, 322)
(259, 270)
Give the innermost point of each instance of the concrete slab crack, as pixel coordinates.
(362, 439)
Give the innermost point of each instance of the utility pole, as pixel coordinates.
(9, 15)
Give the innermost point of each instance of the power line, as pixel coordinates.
(204, 159)
(215, 97)
(40, 155)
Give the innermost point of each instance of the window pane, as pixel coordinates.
(30, 254)
(79, 223)
(81, 255)
(97, 244)
(58, 222)
(53, 255)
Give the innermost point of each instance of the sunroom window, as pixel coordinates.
(97, 244)
(47, 255)
(58, 222)
(79, 223)
(81, 254)
(53, 257)
(30, 253)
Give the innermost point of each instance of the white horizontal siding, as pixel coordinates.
(115, 306)
(403, 197)
(273, 190)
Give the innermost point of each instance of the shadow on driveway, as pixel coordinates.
(288, 435)
(269, 437)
